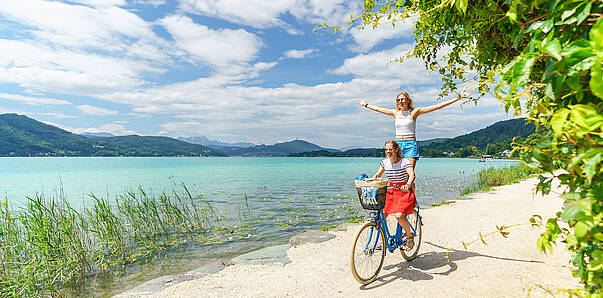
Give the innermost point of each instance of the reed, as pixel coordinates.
(491, 177)
(46, 245)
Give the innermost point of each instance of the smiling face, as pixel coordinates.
(392, 150)
(403, 101)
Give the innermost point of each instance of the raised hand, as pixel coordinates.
(362, 102)
(465, 92)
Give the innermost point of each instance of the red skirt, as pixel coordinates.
(397, 201)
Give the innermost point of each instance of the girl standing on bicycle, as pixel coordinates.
(400, 198)
(406, 116)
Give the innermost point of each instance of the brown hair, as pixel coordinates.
(396, 147)
(410, 103)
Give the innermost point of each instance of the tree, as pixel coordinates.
(542, 58)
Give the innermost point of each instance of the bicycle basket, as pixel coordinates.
(371, 193)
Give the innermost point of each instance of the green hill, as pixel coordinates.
(23, 136)
(495, 138)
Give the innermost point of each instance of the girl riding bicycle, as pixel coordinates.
(400, 198)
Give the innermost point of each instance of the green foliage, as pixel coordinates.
(543, 59)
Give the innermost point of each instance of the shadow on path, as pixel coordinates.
(430, 261)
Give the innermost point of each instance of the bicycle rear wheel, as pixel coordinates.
(366, 259)
(415, 226)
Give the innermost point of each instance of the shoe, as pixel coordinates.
(410, 243)
(379, 246)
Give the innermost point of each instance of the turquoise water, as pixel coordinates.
(217, 178)
(274, 198)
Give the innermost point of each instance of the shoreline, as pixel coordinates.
(505, 267)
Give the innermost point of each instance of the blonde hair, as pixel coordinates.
(410, 103)
(396, 147)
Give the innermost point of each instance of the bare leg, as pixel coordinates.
(406, 226)
(413, 162)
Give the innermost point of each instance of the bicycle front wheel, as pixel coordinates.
(415, 226)
(368, 253)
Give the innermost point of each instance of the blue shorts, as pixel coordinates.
(409, 148)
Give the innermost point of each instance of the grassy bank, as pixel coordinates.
(491, 177)
(47, 247)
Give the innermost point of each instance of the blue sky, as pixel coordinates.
(232, 70)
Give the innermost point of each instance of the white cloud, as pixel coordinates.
(106, 28)
(62, 71)
(92, 110)
(257, 13)
(298, 54)
(215, 47)
(30, 100)
(269, 13)
(101, 2)
(366, 39)
(115, 129)
(374, 65)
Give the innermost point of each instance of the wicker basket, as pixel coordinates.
(371, 193)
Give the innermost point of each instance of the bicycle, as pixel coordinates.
(367, 257)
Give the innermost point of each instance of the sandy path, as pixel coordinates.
(505, 267)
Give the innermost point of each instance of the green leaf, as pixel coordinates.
(577, 45)
(579, 60)
(461, 5)
(596, 78)
(580, 230)
(596, 37)
(583, 12)
(553, 48)
(571, 211)
(512, 13)
(558, 120)
(568, 13)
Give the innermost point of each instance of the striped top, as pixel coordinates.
(396, 172)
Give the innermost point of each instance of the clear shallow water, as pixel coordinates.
(273, 197)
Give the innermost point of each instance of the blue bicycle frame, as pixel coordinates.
(392, 241)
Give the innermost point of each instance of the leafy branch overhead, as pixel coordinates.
(542, 59)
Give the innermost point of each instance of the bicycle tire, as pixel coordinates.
(367, 263)
(414, 221)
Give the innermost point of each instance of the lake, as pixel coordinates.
(274, 197)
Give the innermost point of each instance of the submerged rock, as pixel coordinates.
(275, 255)
(158, 284)
(313, 236)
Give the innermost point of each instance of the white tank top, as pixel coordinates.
(405, 125)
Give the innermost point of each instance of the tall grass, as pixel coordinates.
(491, 177)
(47, 245)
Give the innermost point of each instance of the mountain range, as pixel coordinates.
(23, 136)
(201, 140)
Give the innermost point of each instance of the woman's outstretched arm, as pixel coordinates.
(424, 110)
(365, 104)
(379, 172)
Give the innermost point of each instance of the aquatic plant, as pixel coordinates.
(47, 245)
(491, 177)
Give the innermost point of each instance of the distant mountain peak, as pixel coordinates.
(97, 134)
(201, 140)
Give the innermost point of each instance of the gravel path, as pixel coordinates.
(505, 267)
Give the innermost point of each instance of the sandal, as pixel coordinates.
(410, 243)
(378, 246)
